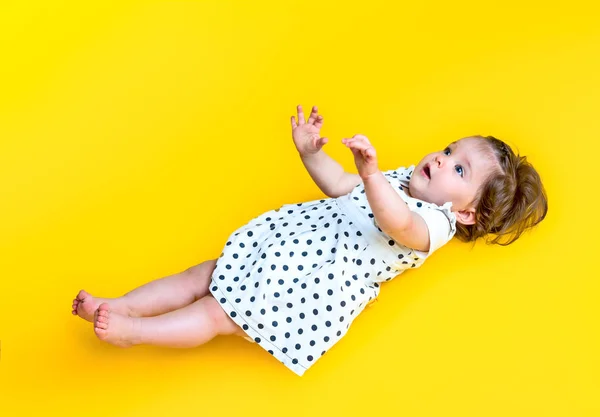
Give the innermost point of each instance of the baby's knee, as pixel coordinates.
(203, 270)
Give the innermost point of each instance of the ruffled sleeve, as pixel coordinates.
(441, 223)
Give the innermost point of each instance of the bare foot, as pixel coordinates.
(84, 305)
(114, 328)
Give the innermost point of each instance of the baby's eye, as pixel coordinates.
(459, 170)
(446, 151)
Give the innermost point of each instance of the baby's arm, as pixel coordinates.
(391, 212)
(329, 175)
(393, 215)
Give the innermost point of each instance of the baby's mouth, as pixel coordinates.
(426, 172)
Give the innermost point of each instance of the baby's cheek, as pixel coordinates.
(441, 192)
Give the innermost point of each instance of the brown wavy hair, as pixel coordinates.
(512, 200)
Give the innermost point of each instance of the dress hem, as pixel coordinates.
(264, 343)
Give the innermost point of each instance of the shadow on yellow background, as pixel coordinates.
(135, 137)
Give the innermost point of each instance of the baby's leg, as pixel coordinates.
(155, 297)
(189, 326)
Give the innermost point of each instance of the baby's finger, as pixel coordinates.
(319, 122)
(358, 139)
(361, 137)
(356, 144)
(313, 115)
(294, 125)
(369, 153)
(319, 143)
(301, 120)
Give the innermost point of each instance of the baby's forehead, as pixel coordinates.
(471, 143)
(478, 147)
(478, 151)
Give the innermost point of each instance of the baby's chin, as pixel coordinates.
(415, 191)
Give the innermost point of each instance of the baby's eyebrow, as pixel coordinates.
(468, 165)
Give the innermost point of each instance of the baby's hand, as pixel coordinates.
(365, 156)
(306, 134)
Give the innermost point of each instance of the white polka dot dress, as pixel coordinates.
(295, 278)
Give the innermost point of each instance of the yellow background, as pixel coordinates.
(136, 136)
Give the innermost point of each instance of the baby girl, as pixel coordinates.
(294, 279)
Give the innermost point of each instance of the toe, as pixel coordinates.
(103, 309)
(101, 325)
(101, 333)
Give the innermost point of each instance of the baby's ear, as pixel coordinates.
(466, 216)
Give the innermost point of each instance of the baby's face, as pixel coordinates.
(453, 174)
